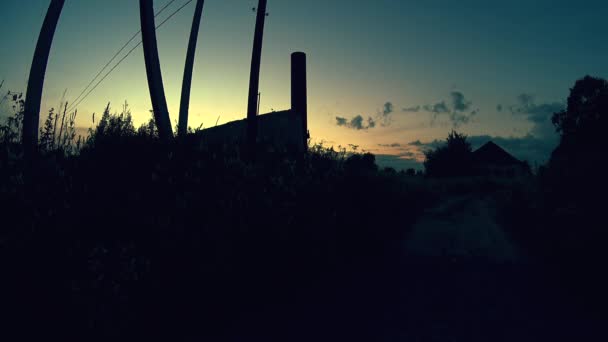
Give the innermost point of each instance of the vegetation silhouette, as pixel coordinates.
(451, 160)
(123, 234)
(560, 217)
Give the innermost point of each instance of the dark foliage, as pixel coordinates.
(133, 235)
(451, 160)
(561, 221)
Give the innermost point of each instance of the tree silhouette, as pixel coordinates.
(187, 82)
(574, 186)
(452, 159)
(31, 117)
(582, 126)
(585, 117)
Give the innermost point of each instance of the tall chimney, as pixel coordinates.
(33, 97)
(299, 102)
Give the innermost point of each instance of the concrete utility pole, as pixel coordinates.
(33, 98)
(187, 82)
(254, 79)
(299, 103)
(155, 78)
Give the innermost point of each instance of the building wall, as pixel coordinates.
(281, 129)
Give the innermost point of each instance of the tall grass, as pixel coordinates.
(122, 232)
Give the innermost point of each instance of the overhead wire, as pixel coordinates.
(116, 55)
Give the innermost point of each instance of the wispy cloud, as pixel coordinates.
(538, 114)
(357, 123)
(414, 109)
(458, 110)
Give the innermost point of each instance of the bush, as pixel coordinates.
(132, 235)
(451, 160)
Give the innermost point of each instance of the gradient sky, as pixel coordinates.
(492, 69)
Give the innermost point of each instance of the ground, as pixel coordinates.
(456, 276)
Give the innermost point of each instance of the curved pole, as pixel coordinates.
(33, 98)
(254, 80)
(187, 82)
(155, 78)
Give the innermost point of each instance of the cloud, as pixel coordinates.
(388, 109)
(538, 114)
(341, 121)
(499, 108)
(371, 123)
(414, 109)
(408, 155)
(357, 123)
(384, 116)
(390, 145)
(398, 162)
(360, 123)
(437, 108)
(416, 143)
(459, 103)
(458, 111)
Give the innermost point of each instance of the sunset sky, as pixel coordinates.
(412, 70)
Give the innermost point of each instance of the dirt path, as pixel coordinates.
(461, 227)
(455, 277)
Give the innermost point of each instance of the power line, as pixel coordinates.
(118, 53)
(127, 55)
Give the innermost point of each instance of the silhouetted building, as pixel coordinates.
(286, 128)
(491, 160)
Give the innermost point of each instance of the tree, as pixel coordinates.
(187, 82)
(586, 114)
(31, 115)
(451, 159)
(574, 187)
(582, 127)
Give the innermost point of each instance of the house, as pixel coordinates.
(283, 129)
(492, 160)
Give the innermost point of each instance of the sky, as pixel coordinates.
(392, 77)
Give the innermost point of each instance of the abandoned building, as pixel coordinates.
(288, 128)
(491, 160)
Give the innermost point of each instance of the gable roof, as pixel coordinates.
(490, 153)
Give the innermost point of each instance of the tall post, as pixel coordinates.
(155, 78)
(254, 79)
(187, 82)
(299, 103)
(33, 98)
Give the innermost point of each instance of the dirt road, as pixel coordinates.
(462, 227)
(456, 277)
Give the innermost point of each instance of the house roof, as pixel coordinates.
(490, 153)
